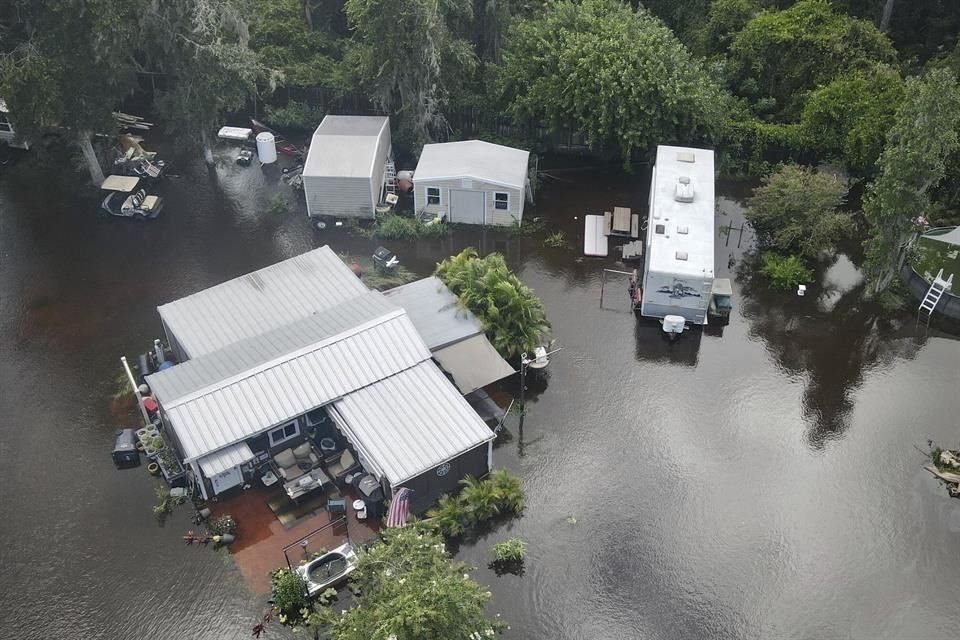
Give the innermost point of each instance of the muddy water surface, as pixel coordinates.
(758, 481)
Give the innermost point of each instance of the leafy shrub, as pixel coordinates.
(278, 205)
(165, 502)
(288, 591)
(223, 524)
(394, 227)
(512, 550)
(508, 490)
(784, 272)
(557, 240)
(296, 116)
(479, 500)
(795, 211)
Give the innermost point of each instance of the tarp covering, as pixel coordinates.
(950, 237)
(473, 363)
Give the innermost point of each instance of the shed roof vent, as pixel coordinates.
(683, 229)
(683, 192)
(681, 255)
(686, 156)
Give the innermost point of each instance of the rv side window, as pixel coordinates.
(501, 201)
(433, 195)
(660, 229)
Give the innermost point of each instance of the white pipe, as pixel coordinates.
(136, 390)
(158, 350)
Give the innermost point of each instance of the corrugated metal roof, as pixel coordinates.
(276, 391)
(345, 147)
(188, 377)
(473, 159)
(258, 302)
(332, 125)
(412, 422)
(226, 458)
(435, 312)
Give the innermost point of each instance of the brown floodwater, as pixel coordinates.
(759, 481)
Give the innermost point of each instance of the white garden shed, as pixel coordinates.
(472, 182)
(343, 175)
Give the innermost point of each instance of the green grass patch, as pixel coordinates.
(933, 255)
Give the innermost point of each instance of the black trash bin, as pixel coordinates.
(125, 454)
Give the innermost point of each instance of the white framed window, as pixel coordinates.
(281, 434)
(433, 195)
(501, 200)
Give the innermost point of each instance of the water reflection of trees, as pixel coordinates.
(831, 346)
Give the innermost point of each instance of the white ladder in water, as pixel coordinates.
(390, 177)
(934, 293)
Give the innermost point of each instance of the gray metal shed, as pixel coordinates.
(343, 175)
(472, 182)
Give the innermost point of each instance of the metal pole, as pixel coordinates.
(136, 390)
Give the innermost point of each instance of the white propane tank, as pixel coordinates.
(674, 325)
(266, 147)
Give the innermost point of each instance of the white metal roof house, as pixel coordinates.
(679, 262)
(343, 175)
(472, 182)
(304, 345)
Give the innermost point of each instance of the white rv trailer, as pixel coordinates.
(678, 273)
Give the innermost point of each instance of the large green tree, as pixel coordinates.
(67, 65)
(614, 74)
(286, 43)
(849, 117)
(780, 55)
(925, 133)
(796, 211)
(409, 61)
(203, 47)
(408, 588)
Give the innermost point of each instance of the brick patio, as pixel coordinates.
(261, 538)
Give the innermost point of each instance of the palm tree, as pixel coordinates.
(511, 314)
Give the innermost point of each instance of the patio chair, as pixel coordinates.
(341, 464)
(287, 465)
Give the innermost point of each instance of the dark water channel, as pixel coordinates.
(755, 482)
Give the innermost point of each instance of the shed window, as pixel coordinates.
(433, 195)
(284, 433)
(501, 200)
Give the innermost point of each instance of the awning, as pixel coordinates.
(951, 236)
(473, 363)
(224, 459)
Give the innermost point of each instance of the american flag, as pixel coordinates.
(399, 508)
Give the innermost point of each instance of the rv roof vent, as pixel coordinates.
(686, 156)
(684, 190)
(681, 255)
(660, 229)
(683, 229)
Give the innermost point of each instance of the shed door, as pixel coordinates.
(229, 478)
(466, 206)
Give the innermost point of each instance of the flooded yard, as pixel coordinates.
(755, 481)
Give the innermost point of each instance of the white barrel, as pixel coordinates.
(266, 147)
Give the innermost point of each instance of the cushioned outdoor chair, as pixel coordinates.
(341, 464)
(294, 462)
